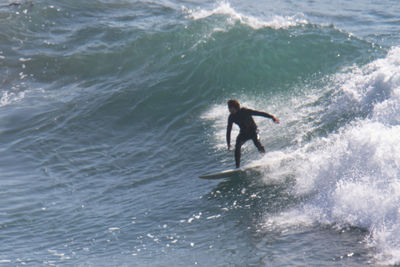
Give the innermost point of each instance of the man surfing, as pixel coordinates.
(248, 128)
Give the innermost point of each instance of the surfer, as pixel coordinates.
(248, 128)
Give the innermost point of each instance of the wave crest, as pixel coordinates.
(223, 8)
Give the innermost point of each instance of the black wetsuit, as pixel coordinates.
(248, 130)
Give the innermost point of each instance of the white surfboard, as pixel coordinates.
(231, 173)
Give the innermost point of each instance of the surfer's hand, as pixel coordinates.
(276, 120)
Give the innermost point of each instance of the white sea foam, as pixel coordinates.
(224, 8)
(10, 97)
(354, 174)
(365, 88)
(354, 177)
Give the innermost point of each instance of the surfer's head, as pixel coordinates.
(233, 106)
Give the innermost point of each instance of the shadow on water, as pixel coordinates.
(250, 191)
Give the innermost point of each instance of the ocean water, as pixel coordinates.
(110, 110)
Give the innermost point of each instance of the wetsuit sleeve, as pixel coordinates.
(260, 113)
(228, 131)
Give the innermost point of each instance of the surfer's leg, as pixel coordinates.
(238, 147)
(257, 142)
(237, 156)
(240, 140)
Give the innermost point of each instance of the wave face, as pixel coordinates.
(110, 110)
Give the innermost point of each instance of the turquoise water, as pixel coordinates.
(110, 110)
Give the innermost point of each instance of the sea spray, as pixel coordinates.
(352, 177)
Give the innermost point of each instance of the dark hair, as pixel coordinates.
(233, 103)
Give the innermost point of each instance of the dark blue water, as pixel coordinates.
(110, 110)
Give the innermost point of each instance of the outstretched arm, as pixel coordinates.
(264, 114)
